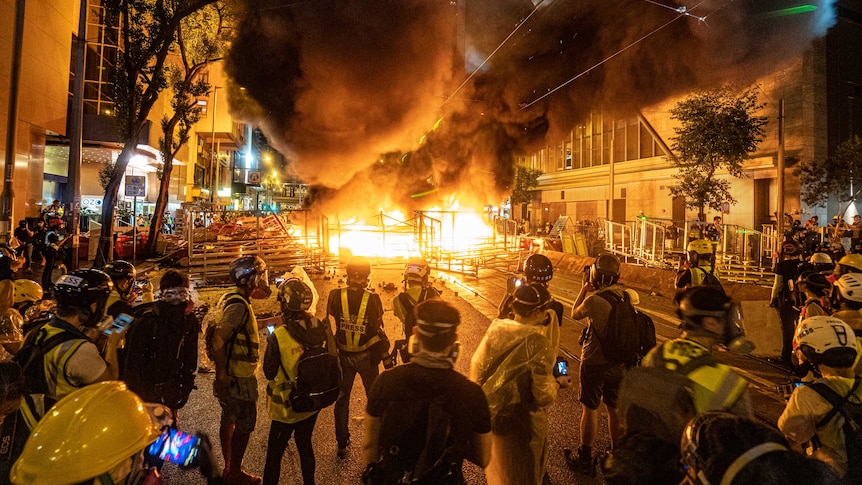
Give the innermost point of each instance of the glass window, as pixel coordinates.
(646, 144)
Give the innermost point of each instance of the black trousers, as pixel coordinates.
(279, 436)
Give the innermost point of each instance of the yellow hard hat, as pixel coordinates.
(700, 246)
(852, 260)
(86, 434)
(27, 290)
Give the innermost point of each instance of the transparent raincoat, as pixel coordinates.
(513, 364)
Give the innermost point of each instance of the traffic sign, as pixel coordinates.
(136, 186)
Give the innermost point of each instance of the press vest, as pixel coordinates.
(354, 332)
(716, 387)
(279, 388)
(699, 273)
(244, 356)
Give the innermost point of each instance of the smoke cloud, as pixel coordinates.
(352, 91)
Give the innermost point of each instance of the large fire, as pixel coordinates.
(392, 234)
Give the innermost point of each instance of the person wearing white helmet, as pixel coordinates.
(822, 263)
(829, 345)
(848, 300)
(416, 290)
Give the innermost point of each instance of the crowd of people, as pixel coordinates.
(109, 362)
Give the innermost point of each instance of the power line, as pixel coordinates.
(448, 98)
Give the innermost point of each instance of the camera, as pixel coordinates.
(176, 447)
(561, 367)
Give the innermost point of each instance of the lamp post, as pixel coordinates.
(213, 162)
(8, 194)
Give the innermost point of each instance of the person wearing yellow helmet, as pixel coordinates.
(97, 434)
(698, 264)
(850, 263)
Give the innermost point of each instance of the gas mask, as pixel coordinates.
(734, 336)
(261, 289)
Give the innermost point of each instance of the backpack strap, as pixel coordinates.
(834, 399)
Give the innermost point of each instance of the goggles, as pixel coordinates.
(176, 295)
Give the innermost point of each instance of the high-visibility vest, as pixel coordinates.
(244, 356)
(279, 388)
(354, 333)
(716, 386)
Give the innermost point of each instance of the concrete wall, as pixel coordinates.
(761, 322)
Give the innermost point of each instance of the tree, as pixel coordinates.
(718, 130)
(838, 176)
(148, 29)
(201, 38)
(526, 179)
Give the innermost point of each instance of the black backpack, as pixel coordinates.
(318, 379)
(150, 367)
(852, 413)
(709, 279)
(629, 334)
(659, 400)
(419, 447)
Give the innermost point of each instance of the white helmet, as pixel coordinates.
(850, 287)
(820, 258)
(822, 333)
(417, 270)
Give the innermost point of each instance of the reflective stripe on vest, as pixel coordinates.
(279, 388)
(245, 350)
(716, 387)
(353, 330)
(55, 365)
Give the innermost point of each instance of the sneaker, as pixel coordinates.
(342, 450)
(241, 478)
(581, 460)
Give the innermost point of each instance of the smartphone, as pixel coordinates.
(176, 447)
(119, 324)
(561, 368)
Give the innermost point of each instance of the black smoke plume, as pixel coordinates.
(352, 91)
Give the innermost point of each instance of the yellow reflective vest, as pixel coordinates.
(354, 334)
(278, 390)
(244, 357)
(716, 387)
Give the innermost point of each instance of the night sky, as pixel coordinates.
(347, 89)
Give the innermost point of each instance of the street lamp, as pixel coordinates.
(213, 151)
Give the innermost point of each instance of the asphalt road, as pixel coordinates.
(476, 299)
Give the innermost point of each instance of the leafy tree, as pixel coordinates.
(526, 179)
(201, 38)
(718, 130)
(837, 176)
(148, 29)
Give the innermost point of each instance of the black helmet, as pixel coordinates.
(529, 297)
(358, 268)
(605, 271)
(538, 268)
(816, 282)
(81, 288)
(294, 295)
(245, 267)
(709, 301)
(120, 269)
